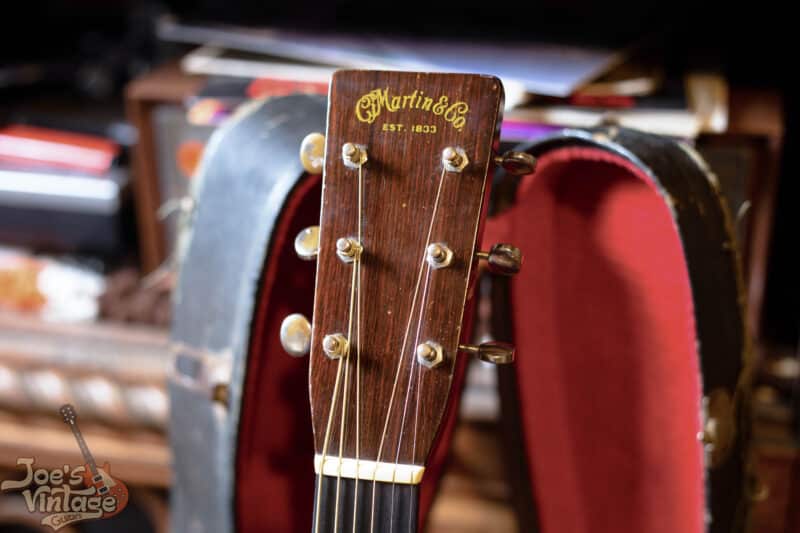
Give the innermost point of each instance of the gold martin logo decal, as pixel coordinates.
(371, 104)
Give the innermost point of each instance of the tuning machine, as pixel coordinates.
(503, 259)
(516, 163)
(498, 353)
(312, 153)
(296, 335)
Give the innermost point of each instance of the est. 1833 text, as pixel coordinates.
(413, 128)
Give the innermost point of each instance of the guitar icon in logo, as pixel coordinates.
(94, 476)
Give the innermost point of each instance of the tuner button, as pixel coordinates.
(516, 163)
(296, 335)
(503, 259)
(306, 244)
(497, 353)
(312, 152)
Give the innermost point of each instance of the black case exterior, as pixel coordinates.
(249, 171)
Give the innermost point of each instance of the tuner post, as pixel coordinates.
(503, 259)
(497, 353)
(335, 345)
(454, 159)
(354, 155)
(348, 249)
(438, 255)
(429, 354)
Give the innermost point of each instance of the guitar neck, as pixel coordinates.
(372, 507)
(87, 455)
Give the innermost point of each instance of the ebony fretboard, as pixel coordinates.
(395, 508)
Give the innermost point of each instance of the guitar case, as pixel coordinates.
(240, 426)
(631, 380)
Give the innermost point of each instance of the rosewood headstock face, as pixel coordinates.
(406, 167)
(382, 397)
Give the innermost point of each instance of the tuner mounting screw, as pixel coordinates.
(439, 255)
(354, 155)
(348, 249)
(312, 152)
(335, 345)
(429, 354)
(454, 159)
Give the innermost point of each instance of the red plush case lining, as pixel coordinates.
(608, 371)
(274, 461)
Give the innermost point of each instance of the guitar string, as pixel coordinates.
(334, 398)
(414, 449)
(403, 347)
(325, 443)
(358, 356)
(355, 282)
(345, 391)
(415, 373)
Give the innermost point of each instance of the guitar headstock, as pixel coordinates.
(406, 169)
(68, 413)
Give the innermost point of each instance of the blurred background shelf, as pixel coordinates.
(114, 375)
